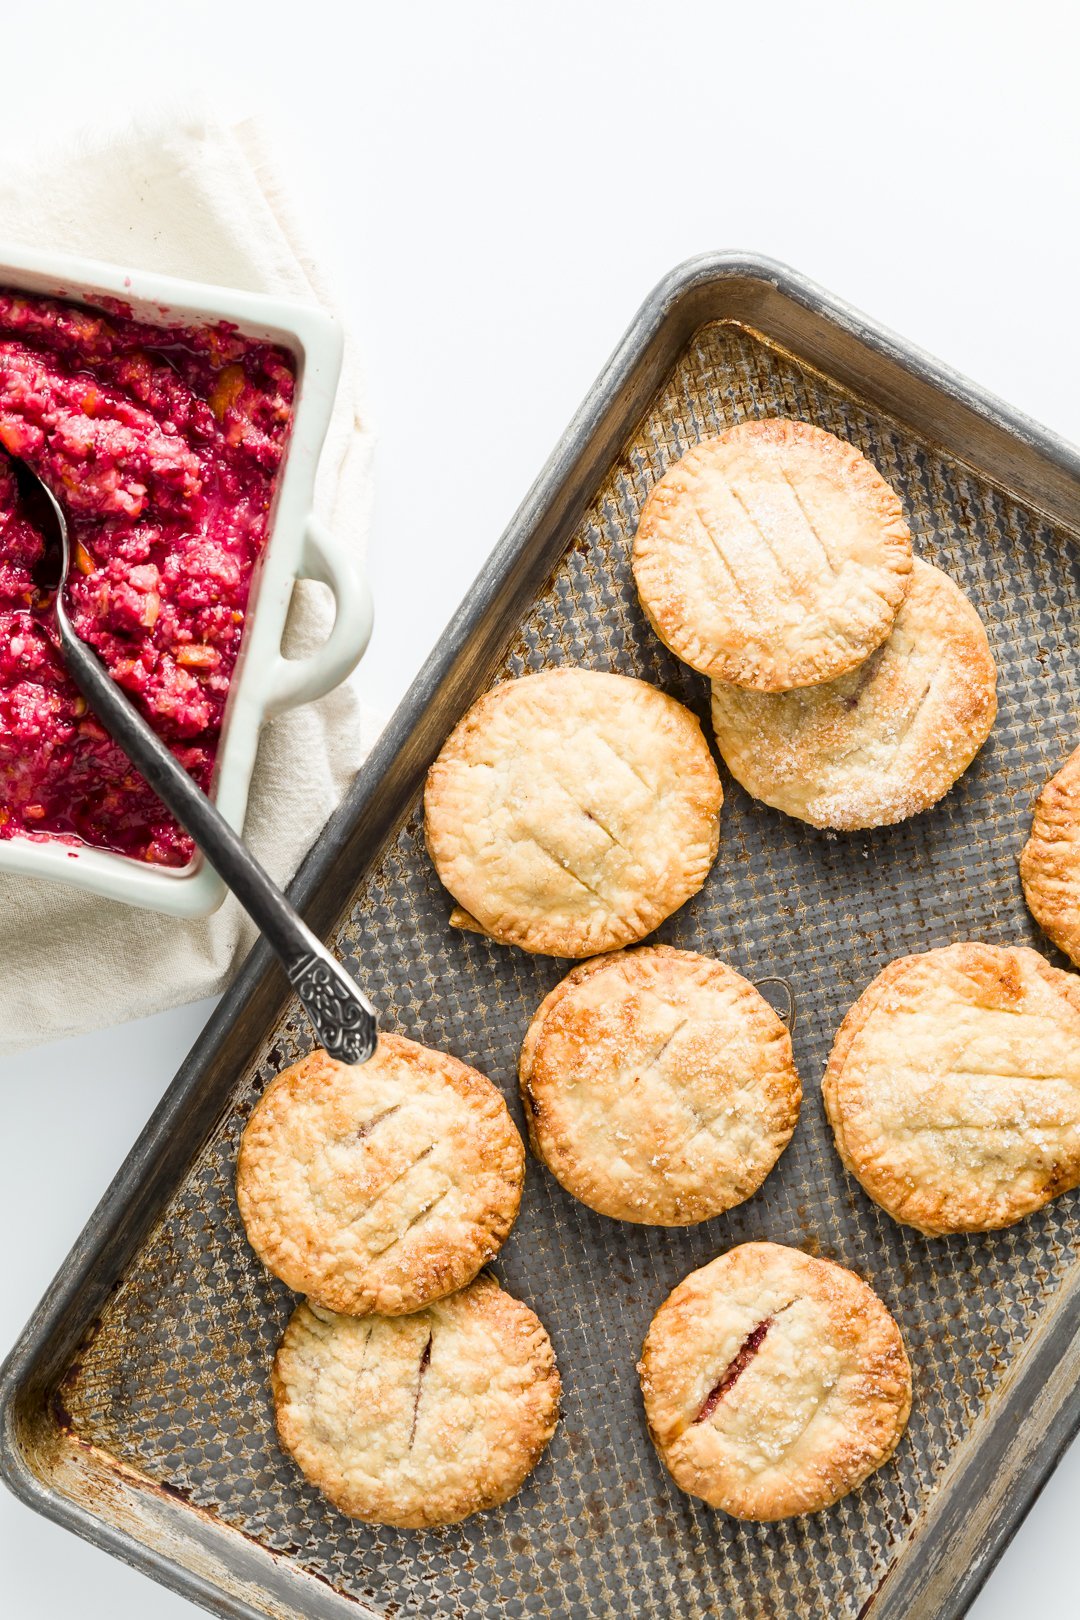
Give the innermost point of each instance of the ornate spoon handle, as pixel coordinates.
(340, 1013)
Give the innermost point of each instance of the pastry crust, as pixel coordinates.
(953, 1087)
(774, 1383)
(882, 743)
(570, 812)
(659, 1085)
(1050, 861)
(418, 1420)
(773, 556)
(379, 1186)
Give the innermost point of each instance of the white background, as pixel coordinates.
(500, 186)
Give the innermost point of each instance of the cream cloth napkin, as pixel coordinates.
(189, 196)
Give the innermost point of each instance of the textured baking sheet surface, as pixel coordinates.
(175, 1381)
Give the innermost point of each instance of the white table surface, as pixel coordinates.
(501, 184)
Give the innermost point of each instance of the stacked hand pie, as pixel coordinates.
(411, 1390)
(851, 685)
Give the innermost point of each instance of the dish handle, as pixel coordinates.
(302, 680)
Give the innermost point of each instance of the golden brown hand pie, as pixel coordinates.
(882, 743)
(773, 556)
(953, 1087)
(774, 1383)
(423, 1419)
(382, 1185)
(1050, 862)
(659, 1085)
(570, 812)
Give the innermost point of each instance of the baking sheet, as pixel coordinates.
(137, 1406)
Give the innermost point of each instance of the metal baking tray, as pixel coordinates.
(135, 1407)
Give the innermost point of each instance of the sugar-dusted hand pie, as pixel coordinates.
(659, 1085)
(953, 1087)
(1050, 862)
(774, 1383)
(883, 743)
(773, 556)
(570, 812)
(379, 1186)
(418, 1420)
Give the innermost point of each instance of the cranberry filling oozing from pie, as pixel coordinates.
(163, 446)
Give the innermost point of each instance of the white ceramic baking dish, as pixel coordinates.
(298, 546)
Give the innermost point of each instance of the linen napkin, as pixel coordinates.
(186, 195)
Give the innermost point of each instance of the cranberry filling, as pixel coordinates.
(163, 445)
(743, 1357)
(425, 1362)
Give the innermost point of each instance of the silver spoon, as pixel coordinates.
(341, 1015)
